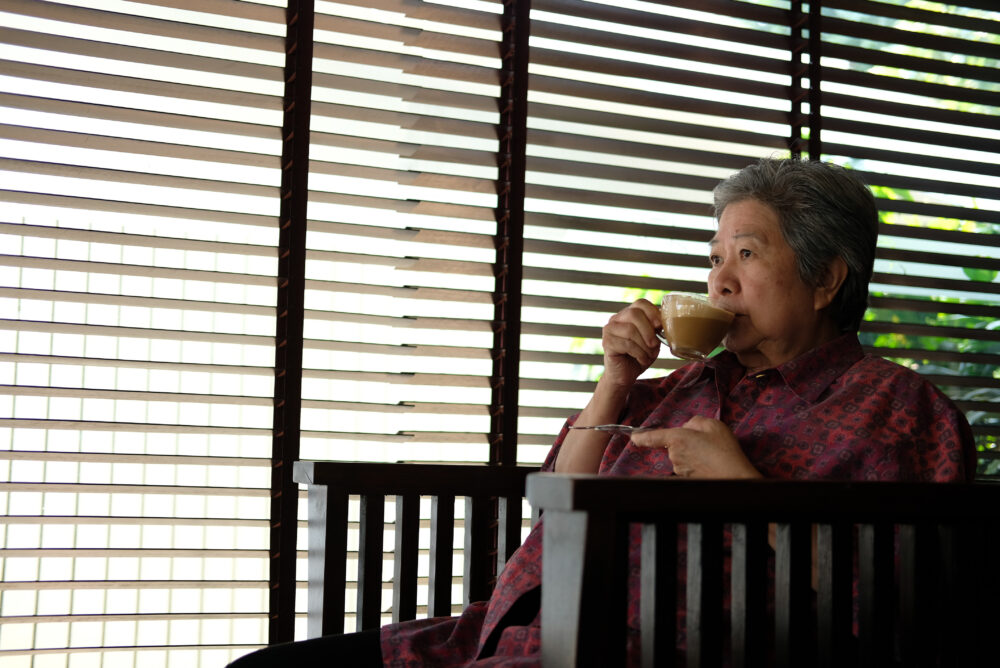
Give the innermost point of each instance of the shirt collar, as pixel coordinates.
(808, 375)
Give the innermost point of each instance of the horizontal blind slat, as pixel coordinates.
(944, 91)
(72, 202)
(648, 123)
(159, 365)
(621, 15)
(133, 54)
(38, 168)
(915, 135)
(147, 87)
(133, 395)
(123, 269)
(642, 98)
(917, 15)
(130, 458)
(138, 240)
(133, 428)
(932, 41)
(137, 116)
(133, 332)
(59, 138)
(880, 105)
(130, 23)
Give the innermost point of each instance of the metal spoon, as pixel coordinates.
(621, 428)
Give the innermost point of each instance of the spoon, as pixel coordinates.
(620, 428)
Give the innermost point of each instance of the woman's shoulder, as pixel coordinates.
(875, 370)
(902, 389)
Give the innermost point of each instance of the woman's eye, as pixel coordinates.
(714, 260)
(744, 253)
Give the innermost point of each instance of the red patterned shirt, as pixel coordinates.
(833, 413)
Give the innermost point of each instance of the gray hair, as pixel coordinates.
(825, 211)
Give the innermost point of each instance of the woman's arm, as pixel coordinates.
(582, 449)
(630, 347)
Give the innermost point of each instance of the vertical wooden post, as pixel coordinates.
(511, 161)
(290, 316)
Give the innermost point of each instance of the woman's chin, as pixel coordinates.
(731, 342)
(737, 345)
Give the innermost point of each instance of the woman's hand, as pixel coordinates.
(630, 343)
(630, 347)
(702, 448)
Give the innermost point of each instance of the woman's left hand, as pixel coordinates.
(702, 448)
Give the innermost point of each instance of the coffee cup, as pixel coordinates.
(692, 327)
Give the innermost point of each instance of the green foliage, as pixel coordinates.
(634, 294)
(984, 275)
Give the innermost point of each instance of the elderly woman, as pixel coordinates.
(792, 396)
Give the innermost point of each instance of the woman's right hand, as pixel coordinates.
(630, 347)
(630, 343)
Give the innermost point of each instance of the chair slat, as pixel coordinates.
(875, 594)
(370, 537)
(749, 595)
(658, 605)
(327, 512)
(479, 552)
(404, 558)
(918, 586)
(584, 556)
(704, 595)
(509, 517)
(836, 646)
(987, 610)
(442, 540)
(792, 575)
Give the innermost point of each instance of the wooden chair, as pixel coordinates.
(927, 593)
(493, 522)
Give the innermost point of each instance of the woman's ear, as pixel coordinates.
(829, 285)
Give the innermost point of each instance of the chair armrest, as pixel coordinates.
(931, 544)
(493, 503)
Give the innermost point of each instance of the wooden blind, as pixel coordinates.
(399, 292)
(636, 111)
(910, 100)
(138, 181)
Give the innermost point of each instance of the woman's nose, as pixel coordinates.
(722, 282)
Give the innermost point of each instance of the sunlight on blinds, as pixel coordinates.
(140, 178)
(636, 111)
(139, 186)
(400, 266)
(910, 98)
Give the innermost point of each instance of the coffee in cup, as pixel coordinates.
(692, 327)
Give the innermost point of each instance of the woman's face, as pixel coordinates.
(754, 275)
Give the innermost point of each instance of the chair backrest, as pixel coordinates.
(920, 555)
(492, 531)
